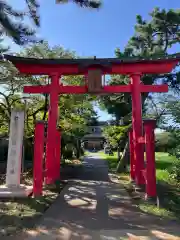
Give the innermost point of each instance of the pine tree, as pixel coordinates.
(12, 25)
(152, 38)
(83, 3)
(12, 21)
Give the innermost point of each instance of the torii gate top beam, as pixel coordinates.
(125, 66)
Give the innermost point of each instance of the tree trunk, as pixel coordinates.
(78, 149)
(118, 153)
(45, 107)
(125, 158)
(122, 164)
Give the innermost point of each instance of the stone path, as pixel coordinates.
(94, 207)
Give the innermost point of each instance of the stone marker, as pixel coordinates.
(13, 187)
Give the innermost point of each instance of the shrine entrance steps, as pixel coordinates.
(94, 207)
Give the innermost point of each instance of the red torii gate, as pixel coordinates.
(55, 68)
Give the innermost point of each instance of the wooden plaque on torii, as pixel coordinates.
(94, 81)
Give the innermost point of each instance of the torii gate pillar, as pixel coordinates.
(137, 127)
(52, 131)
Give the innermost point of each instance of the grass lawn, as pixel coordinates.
(19, 214)
(163, 164)
(168, 188)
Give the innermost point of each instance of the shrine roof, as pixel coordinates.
(90, 61)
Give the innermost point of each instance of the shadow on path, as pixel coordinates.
(98, 209)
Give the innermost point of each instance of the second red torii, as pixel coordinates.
(55, 88)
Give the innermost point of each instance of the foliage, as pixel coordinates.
(68, 151)
(175, 170)
(164, 141)
(175, 150)
(75, 110)
(154, 37)
(172, 109)
(93, 121)
(167, 186)
(12, 22)
(84, 3)
(116, 135)
(6, 104)
(118, 105)
(151, 39)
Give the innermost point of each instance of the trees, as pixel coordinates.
(156, 36)
(115, 135)
(172, 116)
(173, 127)
(164, 141)
(75, 110)
(119, 105)
(151, 39)
(12, 20)
(12, 25)
(83, 3)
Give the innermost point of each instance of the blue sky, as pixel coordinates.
(92, 32)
